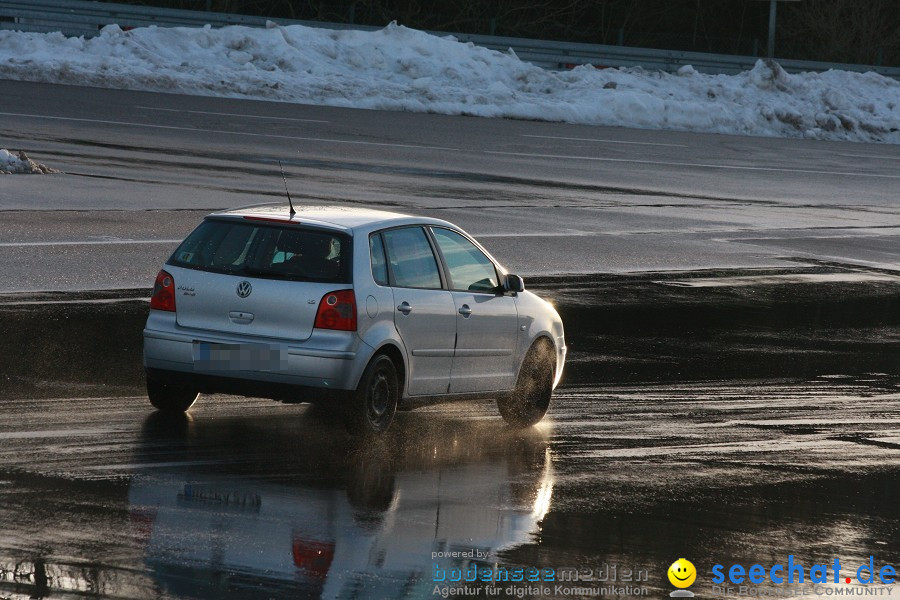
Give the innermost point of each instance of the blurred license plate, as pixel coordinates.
(239, 357)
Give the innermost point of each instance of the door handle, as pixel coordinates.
(465, 311)
(405, 308)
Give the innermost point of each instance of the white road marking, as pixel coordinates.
(221, 114)
(684, 164)
(87, 243)
(887, 231)
(542, 234)
(577, 139)
(242, 133)
(94, 301)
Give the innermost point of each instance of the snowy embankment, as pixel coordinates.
(18, 162)
(403, 69)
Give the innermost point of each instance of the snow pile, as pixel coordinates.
(20, 163)
(398, 68)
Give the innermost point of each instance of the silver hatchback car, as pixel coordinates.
(367, 309)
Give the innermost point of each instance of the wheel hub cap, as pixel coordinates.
(378, 395)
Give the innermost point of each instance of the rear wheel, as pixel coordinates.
(170, 398)
(374, 403)
(529, 402)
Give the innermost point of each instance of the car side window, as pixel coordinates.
(379, 263)
(411, 259)
(469, 269)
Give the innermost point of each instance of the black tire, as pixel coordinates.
(170, 398)
(371, 486)
(529, 402)
(372, 408)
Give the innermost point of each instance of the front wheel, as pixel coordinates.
(170, 398)
(530, 400)
(374, 403)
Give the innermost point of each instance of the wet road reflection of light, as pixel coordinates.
(753, 427)
(544, 494)
(245, 498)
(301, 508)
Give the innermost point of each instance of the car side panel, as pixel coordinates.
(429, 335)
(540, 319)
(484, 359)
(375, 314)
(378, 337)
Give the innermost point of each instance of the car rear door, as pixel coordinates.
(424, 313)
(487, 320)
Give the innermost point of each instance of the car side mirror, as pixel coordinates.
(514, 283)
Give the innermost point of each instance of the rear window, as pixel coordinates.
(268, 251)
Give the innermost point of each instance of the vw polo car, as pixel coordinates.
(368, 310)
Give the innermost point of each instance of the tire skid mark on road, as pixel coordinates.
(692, 165)
(58, 433)
(601, 141)
(238, 133)
(223, 114)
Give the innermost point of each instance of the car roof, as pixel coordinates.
(333, 216)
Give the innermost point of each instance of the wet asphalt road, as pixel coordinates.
(252, 499)
(141, 169)
(731, 394)
(702, 417)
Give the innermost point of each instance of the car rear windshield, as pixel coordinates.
(268, 251)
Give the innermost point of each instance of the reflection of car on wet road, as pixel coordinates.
(341, 518)
(390, 309)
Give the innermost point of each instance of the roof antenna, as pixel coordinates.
(291, 204)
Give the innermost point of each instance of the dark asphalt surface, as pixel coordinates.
(141, 169)
(731, 396)
(704, 417)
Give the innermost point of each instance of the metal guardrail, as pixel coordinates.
(567, 54)
(84, 18)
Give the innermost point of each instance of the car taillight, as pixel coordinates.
(337, 310)
(313, 557)
(163, 297)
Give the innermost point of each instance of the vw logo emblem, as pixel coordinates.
(244, 288)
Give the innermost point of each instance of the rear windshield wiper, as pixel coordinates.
(274, 274)
(248, 270)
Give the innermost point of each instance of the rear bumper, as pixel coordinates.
(328, 360)
(218, 384)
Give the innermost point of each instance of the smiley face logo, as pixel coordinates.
(682, 573)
